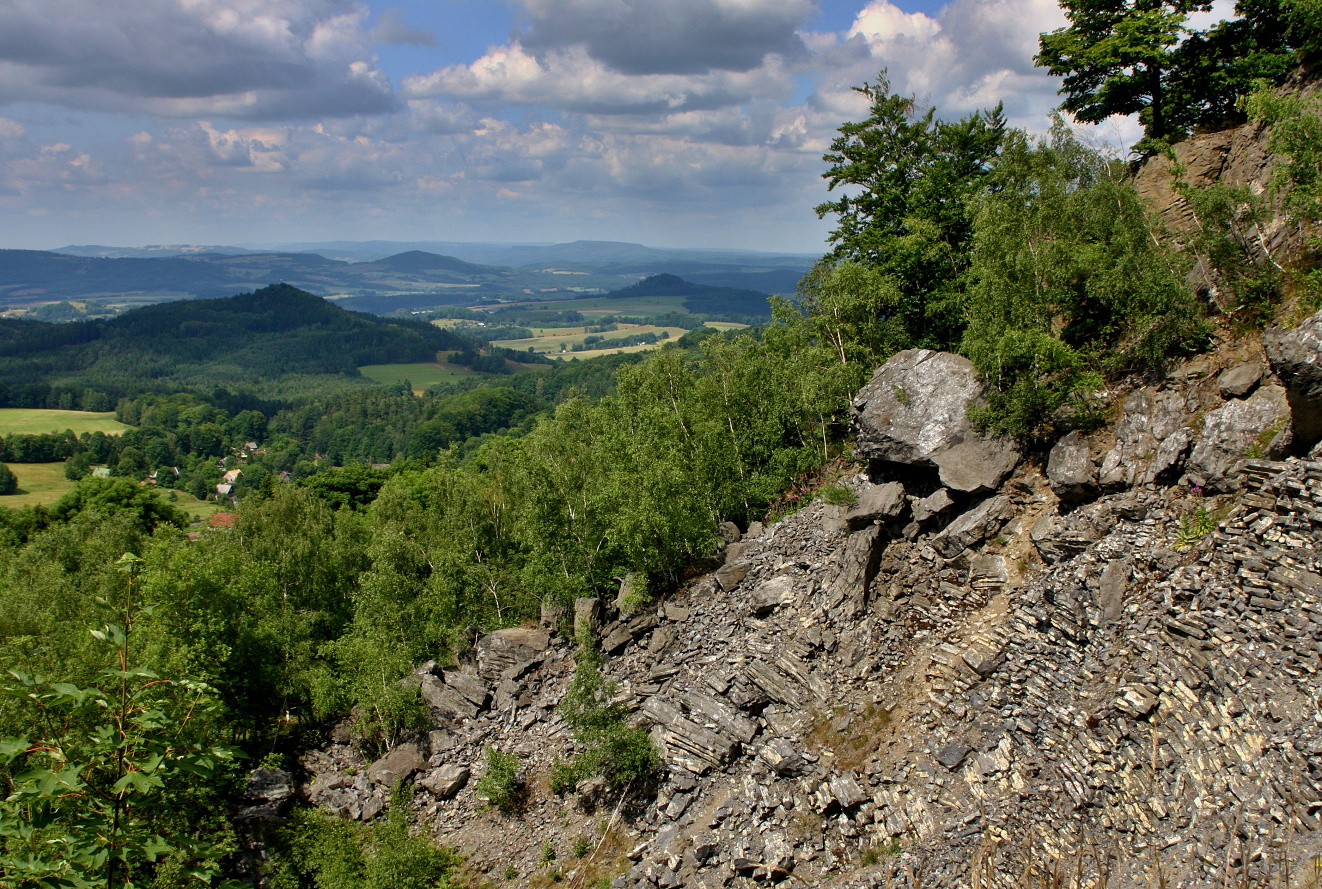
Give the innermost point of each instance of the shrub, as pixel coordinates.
(621, 753)
(501, 786)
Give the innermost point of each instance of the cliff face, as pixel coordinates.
(984, 672)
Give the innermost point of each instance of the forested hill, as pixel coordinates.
(256, 337)
(701, 297)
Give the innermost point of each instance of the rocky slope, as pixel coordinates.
(988, 671)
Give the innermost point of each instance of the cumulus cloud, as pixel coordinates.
(259, 59)
(574, 81)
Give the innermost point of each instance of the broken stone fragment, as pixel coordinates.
(399, 764)
(772, 594)
(1258, 426)
(932, 505)
(267, 796)
(880, 504)
(1240, 380)
(977, 466)
(974, 526)
(447, 781)
(1070, 468)
(952, 755)
(780, 755)
(587, 616)
(448, 701)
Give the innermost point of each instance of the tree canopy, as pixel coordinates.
(1121, 57)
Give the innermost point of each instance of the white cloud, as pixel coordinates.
(573, 80)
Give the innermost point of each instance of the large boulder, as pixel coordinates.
(878, 504)
(1070, 468)
(510, 649)
(1151, 439)
(400, 764)
(1258, 426)
(914, 411)
(1296, 357)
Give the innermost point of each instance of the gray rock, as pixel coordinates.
(1240, 380)
(498, 651)
(772, 594)
(729, 575)
(1255, 427)
(916, 406)
(952, 755)
(974, 526)
(631, 594)
(977, 466)
(447, 781)
(1070, 468)
(780, 755)
(1148, 418)
(846, 791)
(880, 504)
(472, 688)
(932, 505)
(1058, 537)
(729, 532)
(858, 564)
(587, 616)
(399, 764)
(267, 796)
(1296, 358)
(446, 700)
(1111, 592)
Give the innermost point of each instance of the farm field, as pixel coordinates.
(420, 376)
(33, 421)
(41, 484)
(559, 341)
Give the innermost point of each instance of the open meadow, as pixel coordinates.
(33, 421)
(560, 341)
(41, 484)
(419, 376)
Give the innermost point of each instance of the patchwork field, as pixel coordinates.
(31, 421)
(601, 306)
(41, 484)
(559, 341)
(419, 376)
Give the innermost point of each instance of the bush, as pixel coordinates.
(8, 481)
(621, 753)
(501, 786)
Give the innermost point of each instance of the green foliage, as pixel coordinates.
(8, 481)
(1139, 57)
(321, 851)
(907, 178)
(1296, 140)
(1229, 239)
(501, 786)
(108, 496)
(612, 749)
(1067, 282)
(94, 801)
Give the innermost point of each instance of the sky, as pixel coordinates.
(680, 123)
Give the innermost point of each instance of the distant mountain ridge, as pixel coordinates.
(104, 280)
(247, 340)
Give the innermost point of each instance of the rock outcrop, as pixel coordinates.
(1107, 663)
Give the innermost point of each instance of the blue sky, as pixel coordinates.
(669, 122)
